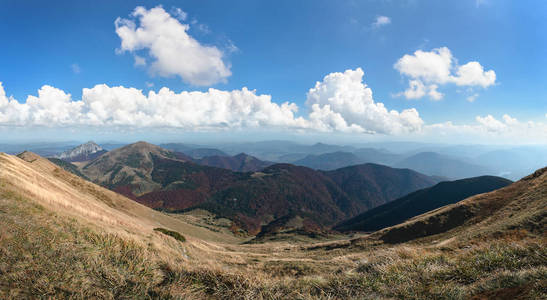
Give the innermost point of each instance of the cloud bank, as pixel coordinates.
(426, 71)
(341, 102)
(172, 51)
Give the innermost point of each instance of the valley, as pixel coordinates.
(110, 234)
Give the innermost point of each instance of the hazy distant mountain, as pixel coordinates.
(42, 149)
(241, 162)
(432, 163)
(277, 150)
(340, 159)
(203, 152)
(164, 180)
(83, 152)
(329, 161)
(514, 163)
(377, 156)
(372, 185)
(421, 201)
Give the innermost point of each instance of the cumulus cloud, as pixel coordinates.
(416, 90)
(341, 102)
(491, 124)
(172, 51)
(104, 106)
(488, 127)
(381, 21)
(426, 70)
(52, 106)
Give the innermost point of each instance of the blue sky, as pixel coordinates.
(282, 49)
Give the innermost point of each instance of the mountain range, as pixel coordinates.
(172, 181)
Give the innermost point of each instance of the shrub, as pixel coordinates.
(177, 236)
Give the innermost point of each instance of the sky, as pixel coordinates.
(434, 71)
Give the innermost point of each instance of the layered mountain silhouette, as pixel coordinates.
(420, 202)
(432, 163)
(171, 181)
(340, 159)
(329, 161)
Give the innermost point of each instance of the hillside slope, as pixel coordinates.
(521, 205)
(420, 202)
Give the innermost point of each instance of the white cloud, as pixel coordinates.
(488, 129)
(427, 70)
(473, 74)
(172, 50)
(342, 102)
(339, 103)
(381, 21)
(120, 106)
(52, 107)
(491, 124)
(75, 68)
(417, 90)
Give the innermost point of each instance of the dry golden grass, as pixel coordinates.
(63, 237)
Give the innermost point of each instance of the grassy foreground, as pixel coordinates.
(43, 255)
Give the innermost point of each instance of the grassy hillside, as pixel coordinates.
(520, 205)
(420, 202)
(63, 237)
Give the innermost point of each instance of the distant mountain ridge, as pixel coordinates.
(421, 201)
(240, 162)
(84, 152)
(329, 161)
(435, 164)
